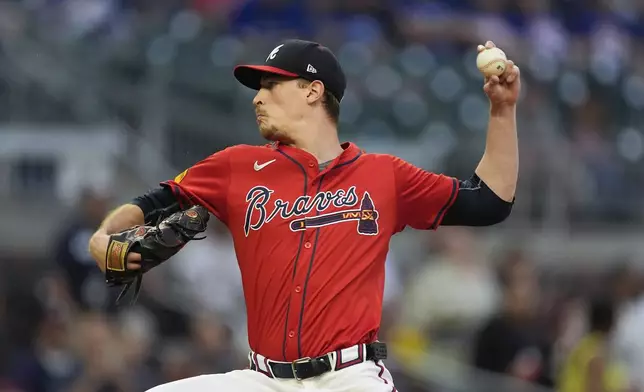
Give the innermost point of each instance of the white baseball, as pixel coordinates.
(491, 61)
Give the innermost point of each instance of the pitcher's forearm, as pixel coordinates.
(499, 167)
(122, 218)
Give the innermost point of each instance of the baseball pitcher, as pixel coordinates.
(311, 219)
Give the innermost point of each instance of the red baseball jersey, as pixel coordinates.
(311, 244)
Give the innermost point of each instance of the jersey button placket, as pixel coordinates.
(297, 288)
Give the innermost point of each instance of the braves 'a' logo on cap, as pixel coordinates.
(273, 53)
(257, 213)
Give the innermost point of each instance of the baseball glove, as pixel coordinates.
(156, 244)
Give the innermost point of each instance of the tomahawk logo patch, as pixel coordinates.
(259, 211)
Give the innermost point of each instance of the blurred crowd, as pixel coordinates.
(391, 18)
(451, 308)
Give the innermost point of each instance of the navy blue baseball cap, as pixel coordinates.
(297, 59)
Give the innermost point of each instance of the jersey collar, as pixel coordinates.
(350, 153)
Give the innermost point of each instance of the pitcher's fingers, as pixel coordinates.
(509, 66)
(133, 266)
(514, 74)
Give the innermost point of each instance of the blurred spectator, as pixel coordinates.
(49, 364)
(513, 341)
(628, 344)
(139, 334)
(570, 326)
(206, 276)
(604, 175)
(85, 282)
(452, 292)
(100, 349)
(214, 345)
(625, 283)
(590, 366)
(177, 362)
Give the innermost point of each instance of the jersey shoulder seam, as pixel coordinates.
(390, 158)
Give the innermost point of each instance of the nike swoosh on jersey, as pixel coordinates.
(259, 167)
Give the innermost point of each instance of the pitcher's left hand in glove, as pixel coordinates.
(155, 244)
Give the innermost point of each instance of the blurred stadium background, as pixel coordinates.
(102, 99)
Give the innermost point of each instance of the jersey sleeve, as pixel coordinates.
(423, 198)
(205, 183)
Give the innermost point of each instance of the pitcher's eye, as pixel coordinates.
(268, 84)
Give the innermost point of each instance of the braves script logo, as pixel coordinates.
(259, 212)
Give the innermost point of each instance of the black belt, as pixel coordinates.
(304, 368)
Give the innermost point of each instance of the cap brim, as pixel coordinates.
(251, 75)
